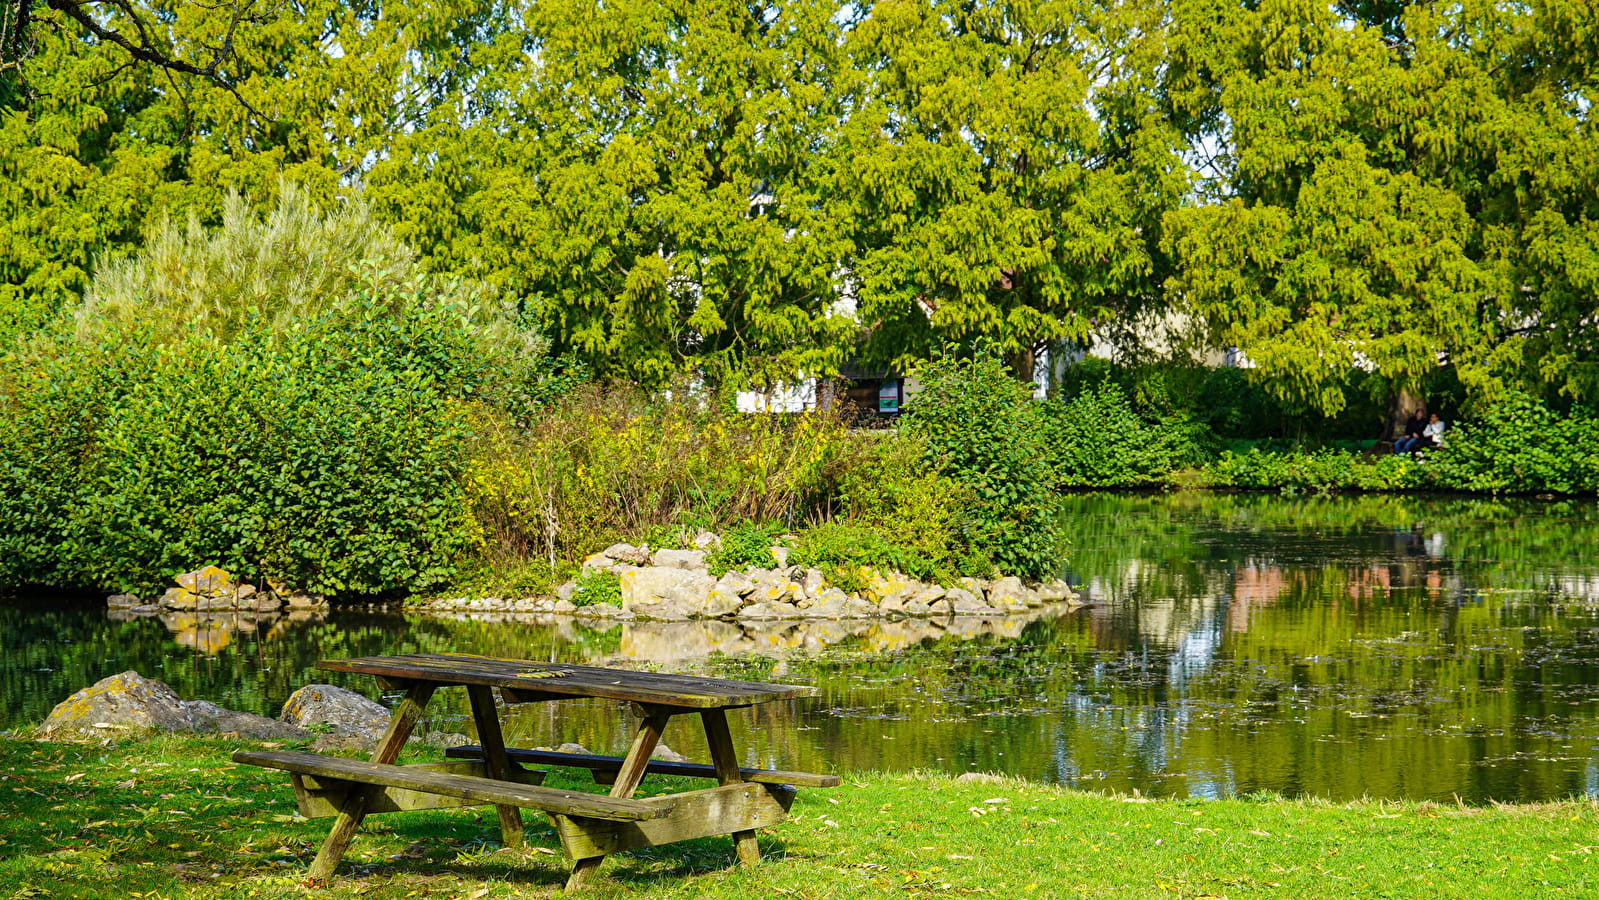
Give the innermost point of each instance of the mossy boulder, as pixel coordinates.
(129, 704)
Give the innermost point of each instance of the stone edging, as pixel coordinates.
(675, 585)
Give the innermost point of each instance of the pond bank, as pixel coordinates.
(673, 585)
(170, 817)
(1341, 647)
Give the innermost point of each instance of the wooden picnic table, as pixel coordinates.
(590, 826)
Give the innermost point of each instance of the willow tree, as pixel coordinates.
(1008, 165)
(1395, 189)
(655, 176)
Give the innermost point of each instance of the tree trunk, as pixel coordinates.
(1401, 406)
(1021, 364)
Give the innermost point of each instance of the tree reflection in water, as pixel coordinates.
(1338, 647)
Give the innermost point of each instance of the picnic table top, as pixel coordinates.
(565, 680)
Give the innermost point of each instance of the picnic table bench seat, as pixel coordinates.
(332, 773)
(604, 766)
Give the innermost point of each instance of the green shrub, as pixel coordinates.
(1097, 439)
(327, 457)
(1231, 403)
(52, 404)
(597, 586)
(744, 546)
(271, 267)
(1520, 445)
(892, 487)
(1313, 471)
(288, 396)
(839, 550)
(610, 463)
(980, 427)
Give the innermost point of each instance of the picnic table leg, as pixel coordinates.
(499, 768)
(627, 780)
(726, 760)
(388, 749)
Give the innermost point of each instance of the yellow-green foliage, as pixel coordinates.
(286, 396)
(612, 463)
(901, 496)
(272, 266)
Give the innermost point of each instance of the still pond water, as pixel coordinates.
(1393, 647)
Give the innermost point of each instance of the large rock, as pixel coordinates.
(896, 600)
(129, 703)
(210, 580)
(687, 587)
(962, 602)
(123, 601)
(880, 585)
(834, 605)
(1057, 591)
(737, 583)
(667, 610)
(813, 582)
(723, 600)
(627, 553)
(333, 710)
(770, 610)
(306, 602)
(859, 608)
(777, 591)
(602, 611)
(1008, 595)
(597, 562)
(679, 559)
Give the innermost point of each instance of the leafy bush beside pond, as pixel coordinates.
(197, 420)
(1097, 439)
(981, 428)
(1520, 445)
(1313, 470)
(322, 457)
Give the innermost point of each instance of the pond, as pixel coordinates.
(1393, 647)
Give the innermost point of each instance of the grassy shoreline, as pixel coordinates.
(173, 817)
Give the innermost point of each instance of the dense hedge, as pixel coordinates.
(328, 456)
(1521, 445)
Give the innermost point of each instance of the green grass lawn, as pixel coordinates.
(174, 817)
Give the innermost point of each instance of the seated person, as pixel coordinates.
(1432, 437)
(1413, 433)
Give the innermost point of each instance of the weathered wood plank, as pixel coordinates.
(656, 767)
(725, 759)
(401, 724)
(322, 797)
(637, 761)
(714, 811)
(487, 719)
(626, 781)
(543, 680)
(459, 786)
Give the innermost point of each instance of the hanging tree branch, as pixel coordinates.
(139, 39)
